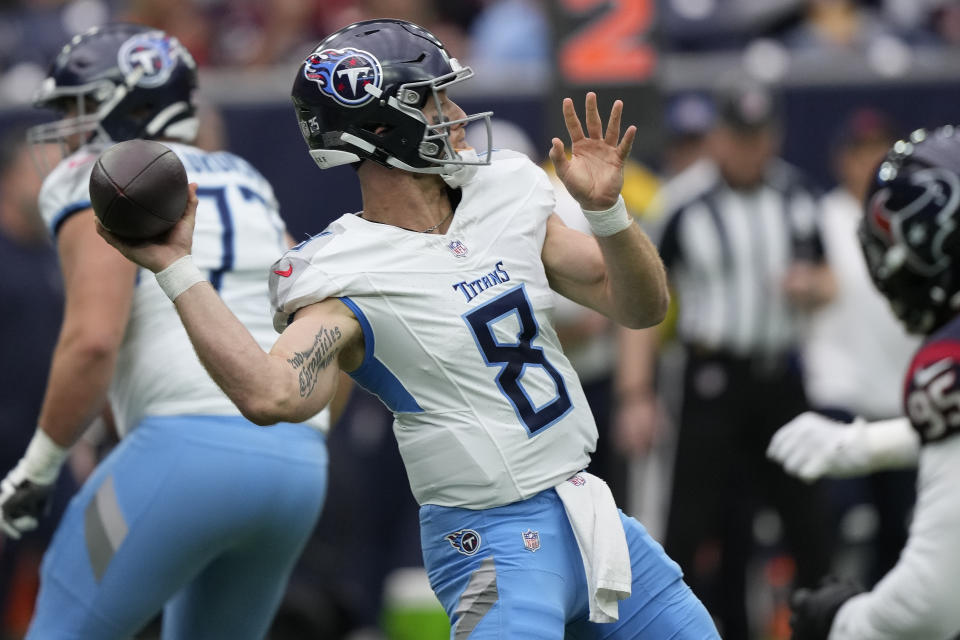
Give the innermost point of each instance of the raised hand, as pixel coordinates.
(594, 173)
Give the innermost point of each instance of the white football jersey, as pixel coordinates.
(238, 235)
(459, 340)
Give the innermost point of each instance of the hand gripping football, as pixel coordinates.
(138, 189)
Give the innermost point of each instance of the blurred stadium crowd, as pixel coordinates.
(355, 579)
(249, 34)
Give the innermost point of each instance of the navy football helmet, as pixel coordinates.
(119, 82)
(360, 93)
(909, 232)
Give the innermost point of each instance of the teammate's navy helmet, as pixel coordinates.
(909, 232)
(118, 82)
(360, 93)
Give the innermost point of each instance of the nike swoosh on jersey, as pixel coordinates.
(925, 376)
(285, 273)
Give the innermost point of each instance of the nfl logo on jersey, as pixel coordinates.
(531, 540)
(458, 249)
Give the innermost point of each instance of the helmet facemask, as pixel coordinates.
(435, 148)
(82, 124)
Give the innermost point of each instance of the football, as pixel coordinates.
(138, 189)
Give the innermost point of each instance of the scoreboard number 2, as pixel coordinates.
(614, 47)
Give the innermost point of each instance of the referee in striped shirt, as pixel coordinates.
(745, 261)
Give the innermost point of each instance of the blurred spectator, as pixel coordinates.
(838, 25)
(425, 13)
(946, 23)
(32, 295)
(240, 33)
(183, 19)
(703, 25)
(514, 32)
(914, 18)
(285, 32)
(31, 34)
(844, 369)
(746, 263)
(706, 25)
(250, 34)
(689, 118)
(847, 375)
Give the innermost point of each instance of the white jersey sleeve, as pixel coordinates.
(296, 282)
(66, 190)
(459, 339)
(917, 598)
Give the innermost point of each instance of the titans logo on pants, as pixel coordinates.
(466, 541)
(344, 74)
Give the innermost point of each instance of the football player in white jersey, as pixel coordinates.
(909, 235)
(437, 298)
(197, 508)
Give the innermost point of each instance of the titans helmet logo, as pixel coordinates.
(344, 74)
(156, 54)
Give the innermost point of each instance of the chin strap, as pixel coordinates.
(457, 175)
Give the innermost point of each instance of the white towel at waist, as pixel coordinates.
(596, 525)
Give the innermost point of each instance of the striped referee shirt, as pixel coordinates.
(728, 252)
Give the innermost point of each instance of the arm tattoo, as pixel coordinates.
(315, 359)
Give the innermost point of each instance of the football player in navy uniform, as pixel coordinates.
(911, 240)
(437, 297)
(197, 508)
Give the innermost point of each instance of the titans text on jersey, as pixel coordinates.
(470, 289)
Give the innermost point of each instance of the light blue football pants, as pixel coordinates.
(203, 516)
(494, 585)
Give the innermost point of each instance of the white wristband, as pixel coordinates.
(43, 459)
(891, 444)
(610, 221)
(178, 277)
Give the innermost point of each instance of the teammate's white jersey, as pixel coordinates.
(238, 235)
(459, 340)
